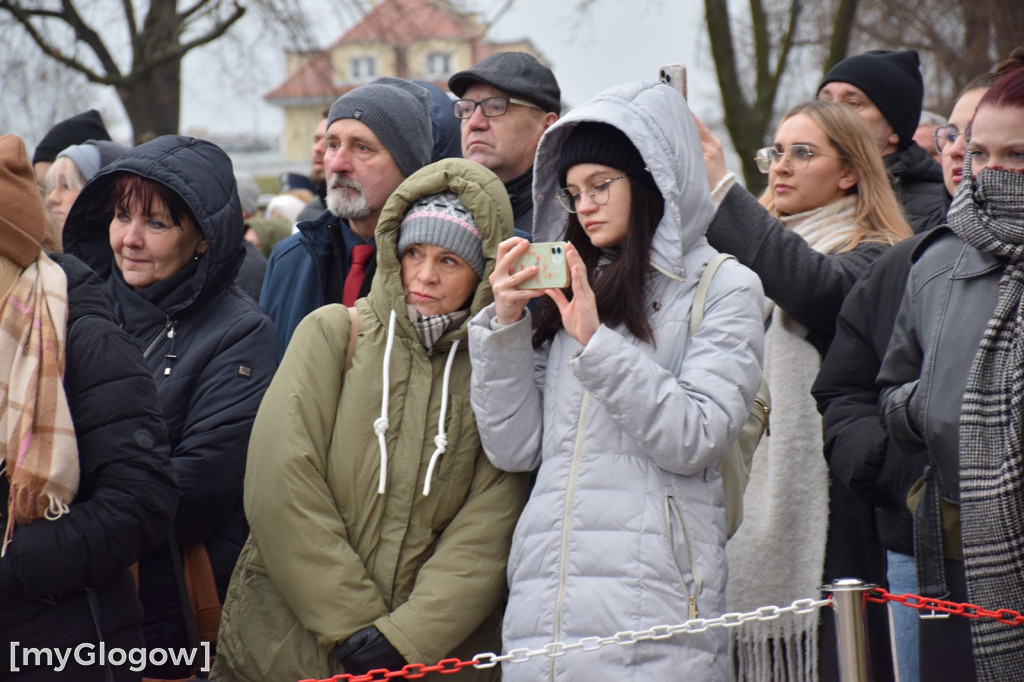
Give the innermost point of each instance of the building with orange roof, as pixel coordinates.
(425, 40)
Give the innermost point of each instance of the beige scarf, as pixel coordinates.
(38, 450)
(778, 555)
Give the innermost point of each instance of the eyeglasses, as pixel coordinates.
(492, 106)
(599, 193)
(797, 157)
(945, 137)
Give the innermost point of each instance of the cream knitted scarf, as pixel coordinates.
(777, 556)
(38, 450)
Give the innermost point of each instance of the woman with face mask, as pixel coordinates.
(953, 382)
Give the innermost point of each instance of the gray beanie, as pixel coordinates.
(86, 158)
(442, 220)
(398, 113)
(89, 157)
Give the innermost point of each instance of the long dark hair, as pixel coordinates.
(620, 285)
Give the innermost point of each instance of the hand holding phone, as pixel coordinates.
(549, 257)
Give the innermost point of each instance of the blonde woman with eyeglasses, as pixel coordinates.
(828, 212)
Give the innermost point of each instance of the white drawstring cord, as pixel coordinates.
(441, 439)
(380, 425)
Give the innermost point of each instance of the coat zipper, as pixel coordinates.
(160, 336)
(565, 526)
(691, 597)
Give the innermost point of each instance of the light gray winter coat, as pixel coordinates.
(625, 527)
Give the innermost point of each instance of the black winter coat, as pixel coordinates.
(919, 186)
(860, 454)
(123, 508)
(209, 347)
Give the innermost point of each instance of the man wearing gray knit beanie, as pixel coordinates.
(377, 135)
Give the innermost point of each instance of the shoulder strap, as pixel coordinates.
(353, 332)
(697, 307)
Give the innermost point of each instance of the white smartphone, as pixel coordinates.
(674, 75)
(549, 257)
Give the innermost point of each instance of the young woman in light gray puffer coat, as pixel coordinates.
(625, 414)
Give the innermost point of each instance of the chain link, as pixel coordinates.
(624, 638)
(973, 611)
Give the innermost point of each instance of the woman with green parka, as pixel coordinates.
(380, 531)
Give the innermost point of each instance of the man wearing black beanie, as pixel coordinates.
(885, 88)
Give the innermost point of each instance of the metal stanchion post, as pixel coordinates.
(851, 627)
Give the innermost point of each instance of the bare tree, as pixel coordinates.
(957, 39)
(139, 56)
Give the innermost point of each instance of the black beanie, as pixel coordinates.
(604, 144)
(75, 130)
(892, 80)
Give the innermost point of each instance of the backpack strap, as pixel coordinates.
(700, 296)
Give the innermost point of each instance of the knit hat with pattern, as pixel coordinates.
(442, 220)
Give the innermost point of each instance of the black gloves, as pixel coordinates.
(367, 650)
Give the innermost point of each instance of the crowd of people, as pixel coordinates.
(354, 424)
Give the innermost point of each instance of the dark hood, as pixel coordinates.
(201, 174)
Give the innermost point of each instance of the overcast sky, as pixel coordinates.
(614, 42)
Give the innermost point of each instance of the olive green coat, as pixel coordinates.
(327, 554)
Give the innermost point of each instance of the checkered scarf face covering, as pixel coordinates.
(38, 449)
(988, 214)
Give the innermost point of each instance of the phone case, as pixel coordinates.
(550, 259)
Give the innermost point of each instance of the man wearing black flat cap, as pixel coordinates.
(506, 102)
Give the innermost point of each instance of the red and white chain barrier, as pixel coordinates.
(448, 666)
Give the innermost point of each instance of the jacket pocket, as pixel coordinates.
(682, 557)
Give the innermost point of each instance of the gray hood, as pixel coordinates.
(659, 123)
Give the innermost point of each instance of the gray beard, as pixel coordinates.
(346, 199)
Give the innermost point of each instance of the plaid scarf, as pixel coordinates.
(988, 214)
(38, 449)
(430, 328)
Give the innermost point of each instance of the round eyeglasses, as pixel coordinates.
(945, 137)
(492, 106)
(797, 157)
(599, 193)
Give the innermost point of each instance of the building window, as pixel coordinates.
(362, 68)
(439, 64)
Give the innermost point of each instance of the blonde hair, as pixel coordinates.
(878, 213)
(63, 171)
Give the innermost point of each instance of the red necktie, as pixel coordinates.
(360, 256)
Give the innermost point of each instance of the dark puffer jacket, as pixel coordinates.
(209, 347)
(123, 508)
(917, 180)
